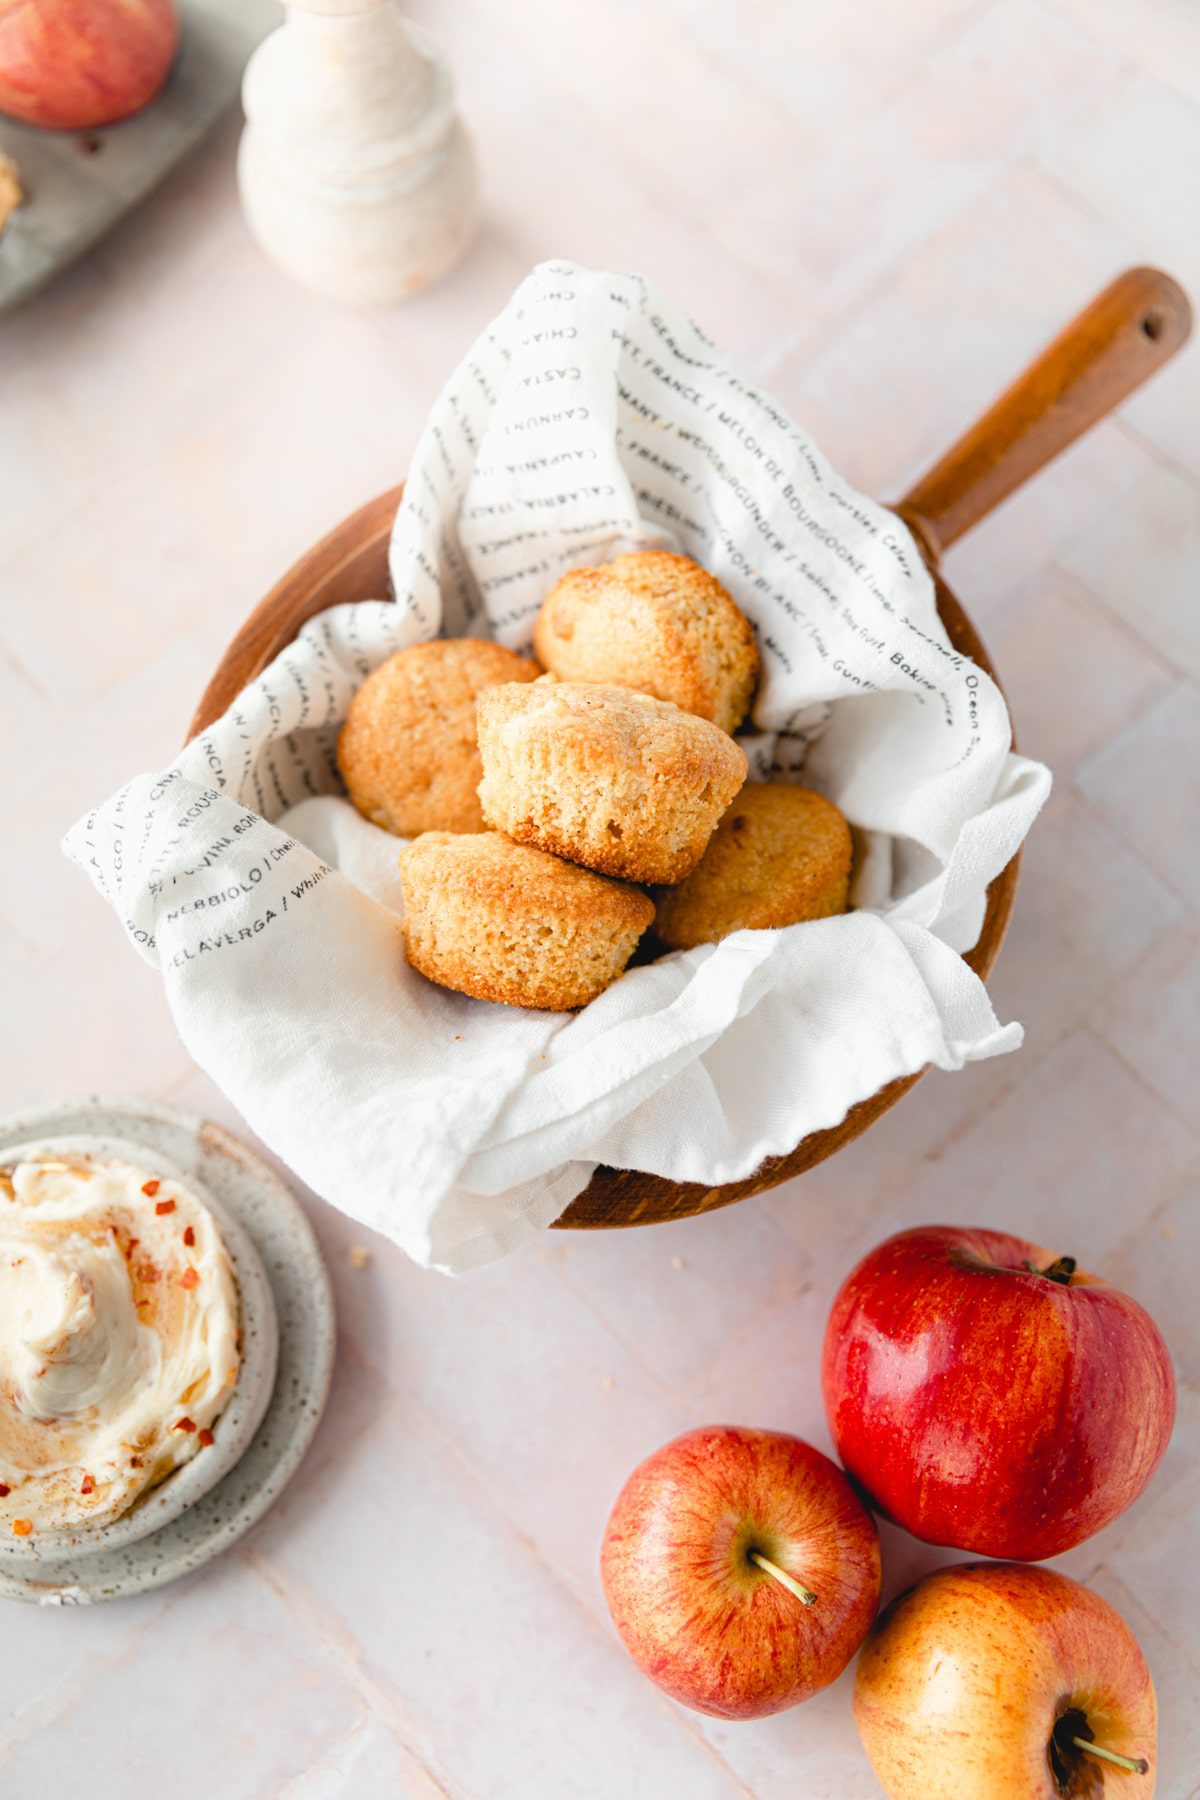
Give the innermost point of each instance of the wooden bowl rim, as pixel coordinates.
(350, 563)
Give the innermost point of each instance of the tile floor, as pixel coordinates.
(882, 211)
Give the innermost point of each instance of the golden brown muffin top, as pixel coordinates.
(657, 622)
(518, 881)
(779, 855)
(407, 751)
(596, 724)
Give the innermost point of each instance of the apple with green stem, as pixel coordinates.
(741, 1570)
(988, 1681)
(990, 1394)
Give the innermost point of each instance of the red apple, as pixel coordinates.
(990, 1395)
(74, 64)
(740, 1569)
(990, 1681)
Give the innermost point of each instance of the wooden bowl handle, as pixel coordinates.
(1116, 343)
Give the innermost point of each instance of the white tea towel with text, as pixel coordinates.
(592, 417)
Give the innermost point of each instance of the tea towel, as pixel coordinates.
(592, 417)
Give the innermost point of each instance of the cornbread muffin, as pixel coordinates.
(656, 622)
(605, 776)
(407, 751)
(500, 921)
(781, 854)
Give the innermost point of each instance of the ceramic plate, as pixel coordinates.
(248, 1191)
(239, 1419)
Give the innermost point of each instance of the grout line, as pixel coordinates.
(1127, 65)
(1144, 1228)
(1080, 591)
(51, 1705)
(741, 1333)
(1166, 879)
(883, 280)
(1182, 676)
(297, 1786)
(1110, 825)
(675, 203)
(477, 1481)
(788, 1245)
(631, 1349)
(937, 43)
(989, 174)
(26, 948)
(1122, 80)
(21, 673)
(1131, 1599)
(1156, 451)
(1099, 1036)
(734, 1336)
(333, 1632)
(1057, 123)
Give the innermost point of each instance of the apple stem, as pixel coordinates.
(1134, 1765)
(1060, 1270)
(789, 1581)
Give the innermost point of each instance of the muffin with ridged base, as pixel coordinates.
(502, 921)
(615, 780)
(657, 622)
(780, 855)
(407, 751)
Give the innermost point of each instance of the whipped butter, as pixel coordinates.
(118, 1338)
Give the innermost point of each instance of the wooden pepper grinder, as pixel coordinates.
(356, 175)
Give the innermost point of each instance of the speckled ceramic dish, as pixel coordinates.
(247, 1193)
(247, 1405)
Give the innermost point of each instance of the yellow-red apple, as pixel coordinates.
(741, 1570)
(75, 64)
(995, 1681)
(990, 1395)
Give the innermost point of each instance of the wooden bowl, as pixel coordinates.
(1133, 327)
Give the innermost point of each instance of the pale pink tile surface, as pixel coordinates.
(1127, 155)
(885, 177)
(1089, 909)
(1074, 675)
(820, 62)
(1035, 1164)
(1157, 1263)
(848, 1203)
(1152, 1015)
(1007, 551)
(415, 1569)
(1146, 782)
(1140, 560)
(1174, 1666)
(926, 351)
(150, 1704)
(884, 211)
(1164, 39)
(1164, 414)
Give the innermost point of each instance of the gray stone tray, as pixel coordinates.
(78, 184)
